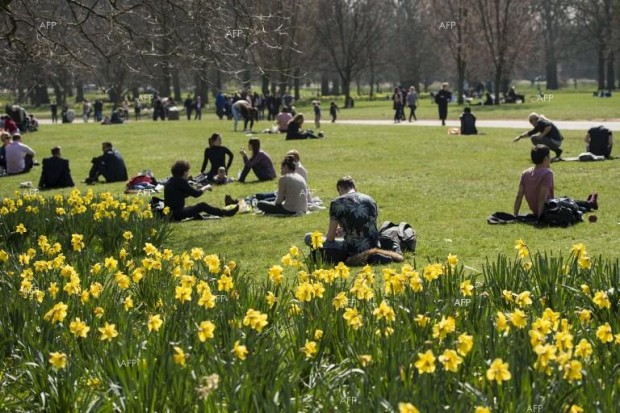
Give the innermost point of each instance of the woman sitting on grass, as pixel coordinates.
(216, 154)
(178, 188)
(260, 163)
(292, 192)
(294, 130)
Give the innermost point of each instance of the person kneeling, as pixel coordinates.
(292, 192)
(178, 188)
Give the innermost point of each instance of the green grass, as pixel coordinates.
(445, 186)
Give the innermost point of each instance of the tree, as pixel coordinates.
(505, 26)
(344, 30)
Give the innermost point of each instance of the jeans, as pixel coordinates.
(548, 142)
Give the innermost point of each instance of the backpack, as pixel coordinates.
(401, 235)
(560, 212)
(157, 206)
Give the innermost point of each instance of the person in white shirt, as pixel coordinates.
(19, 157)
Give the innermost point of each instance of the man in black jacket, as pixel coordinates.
(111, 165)
(55, 172)
(178, 188)
(442, 98)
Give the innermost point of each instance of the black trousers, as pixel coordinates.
(273, 208)
(195, 210)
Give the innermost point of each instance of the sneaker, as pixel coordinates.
(593, 200)
(231, 212)
(558, 153)
(321, 135)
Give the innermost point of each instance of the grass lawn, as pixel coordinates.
(444, 186)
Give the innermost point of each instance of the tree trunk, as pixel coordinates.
(176, 85)
(601, 67)
(461, 65)
(498, 82)
(246, 78)
(336, 86)
(358, 85)
(135, 91)
(296, 83)
(218, 80)
(551, 72)
(40, 94)
(324, 84)
(264, 83)
(79, 88)
(611, 73)
(59, 93)
(371, 94)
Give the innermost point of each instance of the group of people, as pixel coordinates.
(536, 184)
(401, 99)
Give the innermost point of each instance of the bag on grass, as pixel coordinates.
(401, 235)
(560, 212)
(157, 206)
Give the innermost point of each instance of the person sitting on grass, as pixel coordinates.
(294, 130)
(468, 122)
(291, 198)
(221, 178)
(260, 162)
(353, 216)
(19, 157)
(110, 165)
(536, 185)
(178, 188)
(545, 133)
(283, 119)
(55, 172)
(216, 154)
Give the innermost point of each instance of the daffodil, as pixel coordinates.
(583, 349)
(354, 319)
(601, 300)
(317, 239)
(422, 320)
(407, 408)
(271, 299)
(309, 349)
(58, 360)
(340, 300)
(466, 288)
(275, 274)
(498, 371)
(255, 320)
(57, 314)
(364, 359)
(155, 322)
(450, 360)
(108, 332)
(522, 249)
(604, 334)
(524, 299)
(426, 362)
(518, 319)
(240, 351)
(444, 327)
(453, 260)
(179, 356)
(384, 311)
(572, 371)
(464, 344)
(79, 328)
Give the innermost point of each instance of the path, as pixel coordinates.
(508, 123)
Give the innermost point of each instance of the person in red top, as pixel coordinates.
(9, 125)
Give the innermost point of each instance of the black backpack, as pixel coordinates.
(401, 235)
(560, 212)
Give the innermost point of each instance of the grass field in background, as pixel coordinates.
(445, 186)
(564, 104)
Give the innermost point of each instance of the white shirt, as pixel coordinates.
(15, 154)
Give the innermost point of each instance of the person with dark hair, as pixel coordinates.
(110, 165)
(442, 98)
(6, 141)
(55, 172)
(216, 154)
(260, 162)
(294, 130)
(189, 107)
(468, 122)
(283, 119)
(19, 157)
(10, 125)
(198, 107)
(54, 110)
(412, 101)
(178, 188)
(220, 103)
(333, 111)
(291, 198)
(117, 117)
(544, 133)
(599, 141)
(536, 185)
(353, 216)
(397, 104)
(98, 106)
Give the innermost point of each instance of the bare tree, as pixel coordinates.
(506, 27)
